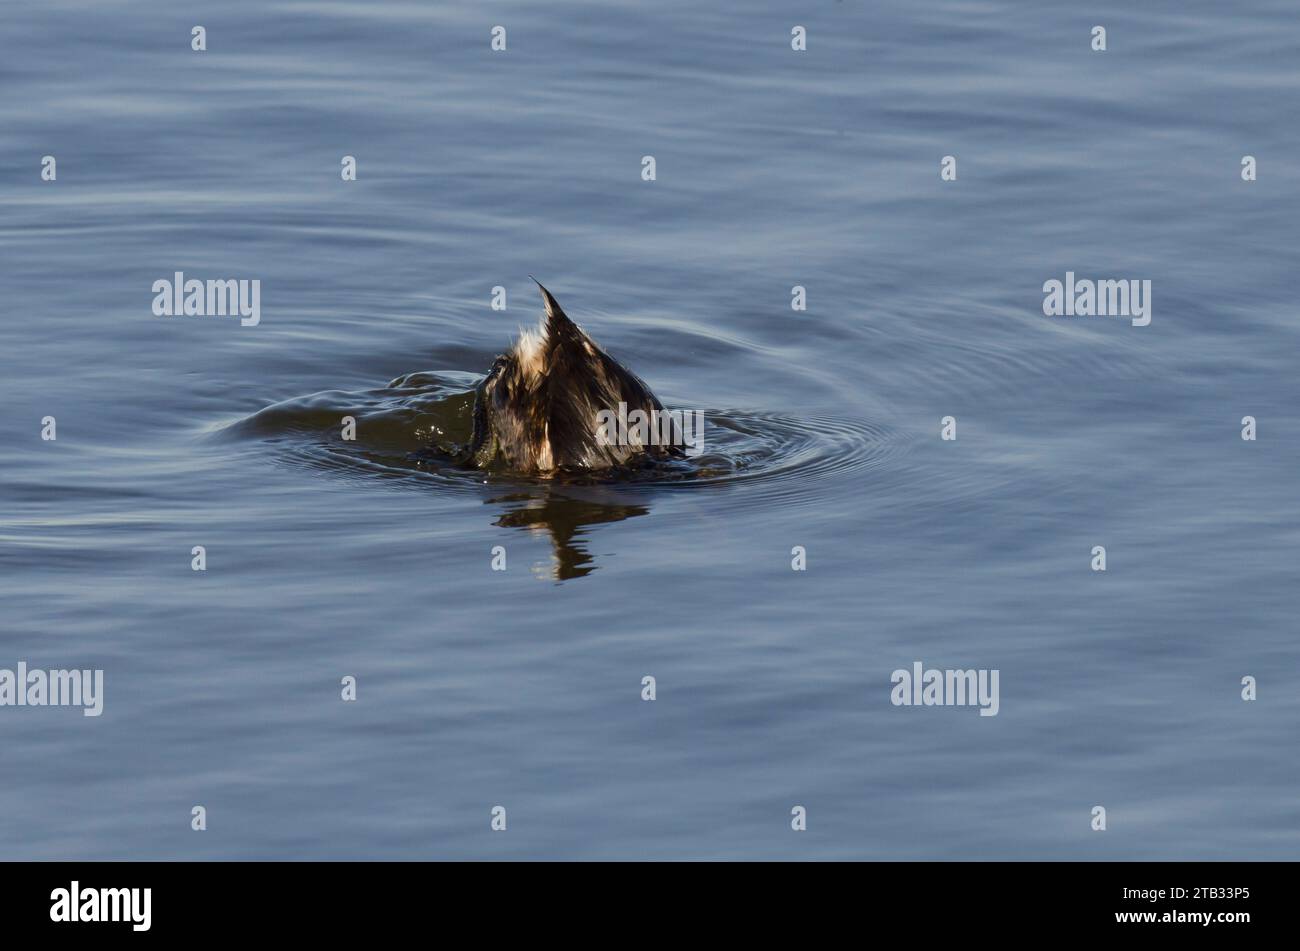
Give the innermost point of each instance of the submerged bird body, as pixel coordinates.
(538, 411)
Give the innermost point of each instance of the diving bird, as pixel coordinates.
(545, 406)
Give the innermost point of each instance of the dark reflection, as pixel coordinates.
(565, 515)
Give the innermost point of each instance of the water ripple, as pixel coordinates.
(778, 452)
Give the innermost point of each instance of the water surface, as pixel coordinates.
(774, 168)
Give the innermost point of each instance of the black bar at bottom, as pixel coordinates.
(334, 901)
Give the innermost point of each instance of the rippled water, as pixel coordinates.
(402, 427)
(522, 688)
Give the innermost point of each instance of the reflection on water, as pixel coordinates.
(565, 519)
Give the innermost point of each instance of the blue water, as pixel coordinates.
(774, 168)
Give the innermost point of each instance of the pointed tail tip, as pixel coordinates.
(552, 305)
